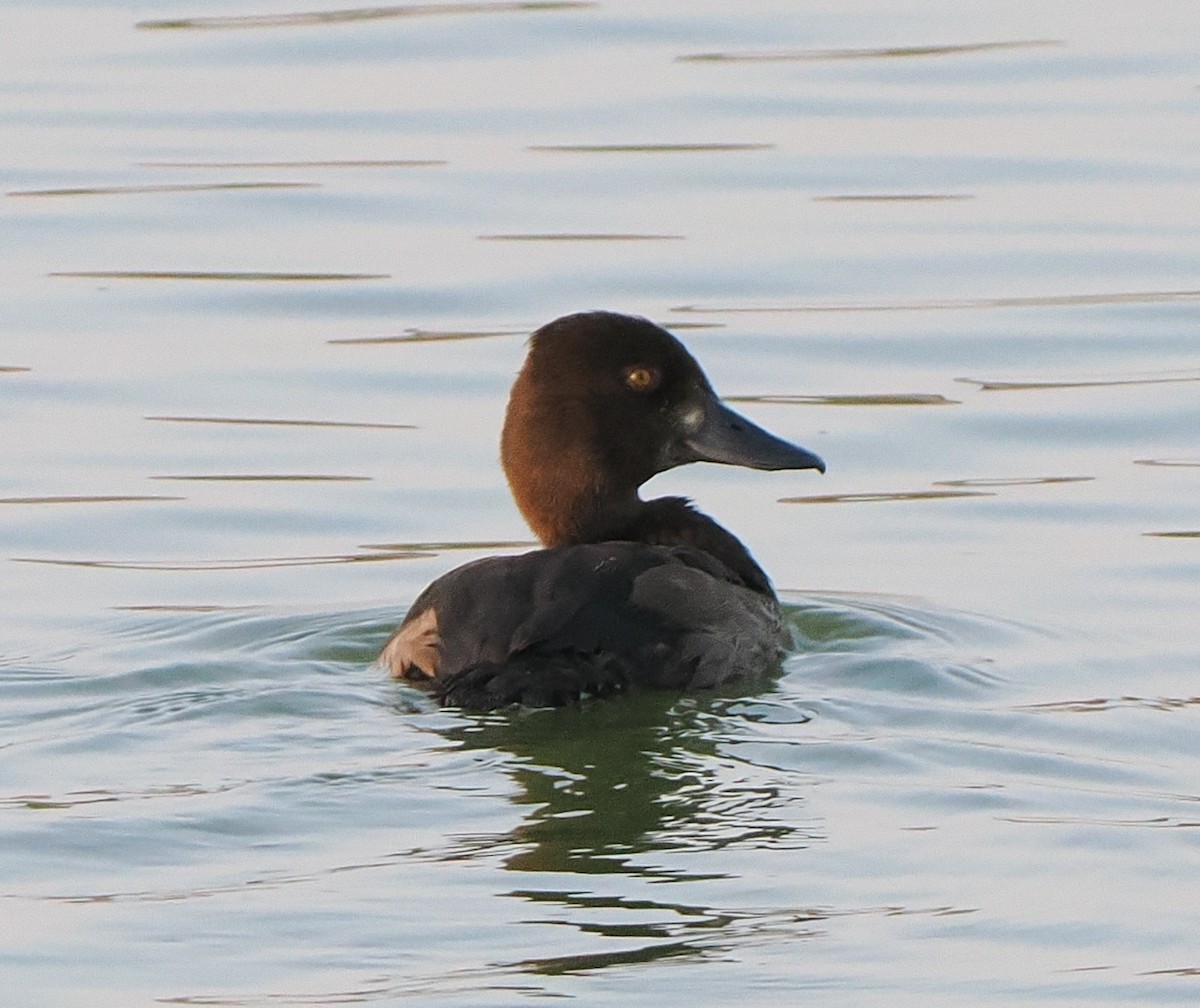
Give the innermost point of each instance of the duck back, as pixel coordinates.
(556, 625)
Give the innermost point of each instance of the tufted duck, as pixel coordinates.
(627, 594)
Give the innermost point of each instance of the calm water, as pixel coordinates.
(268, 270)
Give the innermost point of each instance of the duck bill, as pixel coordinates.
(728, 437)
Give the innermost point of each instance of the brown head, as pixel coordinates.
(604, 402)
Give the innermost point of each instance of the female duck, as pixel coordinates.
(628, 594)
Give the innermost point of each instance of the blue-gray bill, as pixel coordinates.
(727, 436)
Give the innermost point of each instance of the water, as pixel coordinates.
(266, 285)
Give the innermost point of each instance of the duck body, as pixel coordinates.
(555, 625)
(628, 594)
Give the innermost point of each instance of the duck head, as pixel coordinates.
(604, 402)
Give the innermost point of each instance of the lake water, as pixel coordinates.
(268, 273)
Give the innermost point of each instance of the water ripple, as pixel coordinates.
(949, 304)
(309, 18)
(889, 52)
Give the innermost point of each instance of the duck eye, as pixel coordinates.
(642, 378)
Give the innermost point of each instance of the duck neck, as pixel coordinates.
(563, 511)
(559, 519)
(673, 521)
(565, 486)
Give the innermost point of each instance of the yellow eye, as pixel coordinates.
(642, 378)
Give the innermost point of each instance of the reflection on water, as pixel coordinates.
(663, 789)
(594, 816)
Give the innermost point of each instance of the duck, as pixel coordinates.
(625, 594)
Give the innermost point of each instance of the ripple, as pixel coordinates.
(239, 563)
(376, 553)
(75, 799)
(893, 198)
(888, 52)
(953, 304)
(255, 277)
(361, 163)
(1015, 481)
(858, 399)
(892, 641)
(1099, 704)
(669, 932)
(581, 237)
(871, 498)
(264, 422)
(309, 18)
(267, 478)
(286, 636)
(989, 385)
(1156, 822)
(92, 499)
(651, 148)
(201, 609)
(419, 335)
(182, 188)
(253, 883)
(429, 336)
(441, 547)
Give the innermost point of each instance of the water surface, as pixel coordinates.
(268, 271)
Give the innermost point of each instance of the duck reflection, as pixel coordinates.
(638, 788)
(609, 783)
